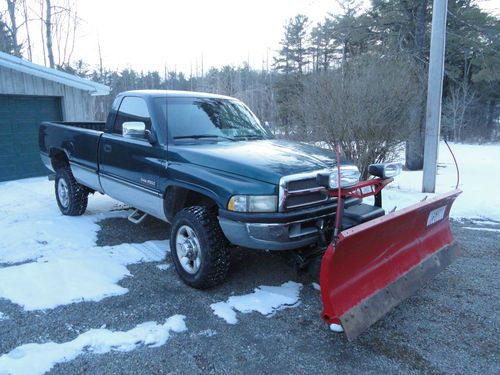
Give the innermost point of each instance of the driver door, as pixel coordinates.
(131, 167)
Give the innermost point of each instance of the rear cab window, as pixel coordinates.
(132, 108)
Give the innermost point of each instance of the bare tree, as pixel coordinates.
(28, 36)
(14, 27)
(455, 110)
(368, 112)
(48, 32)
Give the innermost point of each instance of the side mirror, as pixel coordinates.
(134, 129)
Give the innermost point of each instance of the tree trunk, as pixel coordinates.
(490, 123)
(414, 154)
(415, 143)
(11, 6)
(48, 30)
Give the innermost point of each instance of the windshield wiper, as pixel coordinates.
(200, 136)
(250, 136)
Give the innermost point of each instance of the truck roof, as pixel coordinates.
(174, 94)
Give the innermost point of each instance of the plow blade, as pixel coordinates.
(376, 265)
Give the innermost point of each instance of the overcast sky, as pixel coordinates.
(148, 34)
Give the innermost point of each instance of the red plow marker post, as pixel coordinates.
(374, 266)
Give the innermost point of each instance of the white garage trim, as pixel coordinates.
(24, 66)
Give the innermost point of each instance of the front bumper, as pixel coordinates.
(286, 231)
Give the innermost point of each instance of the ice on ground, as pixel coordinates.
(316, 286)
(265, 300)
(163, 267)
(64, 264)
(478, 178)
(483, 229)
(34, 359)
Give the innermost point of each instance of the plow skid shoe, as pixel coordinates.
(376, 265)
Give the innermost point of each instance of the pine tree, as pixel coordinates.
(6, 41)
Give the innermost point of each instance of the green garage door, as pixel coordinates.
(19, 120)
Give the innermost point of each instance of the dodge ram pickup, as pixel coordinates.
(205, 164)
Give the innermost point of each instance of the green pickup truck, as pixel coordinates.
(205, 164)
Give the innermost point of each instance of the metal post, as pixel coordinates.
(434, 94)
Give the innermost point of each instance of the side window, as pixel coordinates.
(132, 109)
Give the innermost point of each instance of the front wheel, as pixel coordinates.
(72, 198)
(198, 248)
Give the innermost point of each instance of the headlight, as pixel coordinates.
(253, 203)
(349, 176)
(385, 170)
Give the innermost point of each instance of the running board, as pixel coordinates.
(137, 216)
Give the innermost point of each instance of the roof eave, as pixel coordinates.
(18, 64)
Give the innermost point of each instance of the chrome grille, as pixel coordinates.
(302, 190)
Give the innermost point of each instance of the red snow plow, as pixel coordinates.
(373, 266)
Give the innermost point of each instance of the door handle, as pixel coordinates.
(107, 148)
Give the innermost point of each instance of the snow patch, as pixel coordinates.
(163, 267)
(207, 333)
(64, 265)
(336, 328)
(316, 286)
(483, 229)
(266, 300)
(485, 222)
(34, 359)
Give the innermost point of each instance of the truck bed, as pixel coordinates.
(79, 141)
(92, 125)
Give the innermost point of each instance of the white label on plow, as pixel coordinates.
(436, 215)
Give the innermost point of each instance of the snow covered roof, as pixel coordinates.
(24, 66)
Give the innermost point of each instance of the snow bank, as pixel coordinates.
(64, 265)
(479, 178)
(265, 300)
(34, 359)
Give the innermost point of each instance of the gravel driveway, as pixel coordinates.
(449, 326)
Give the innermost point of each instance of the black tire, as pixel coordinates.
(213, 247)
(77, 195)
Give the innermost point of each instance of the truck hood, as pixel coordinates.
(264, 160)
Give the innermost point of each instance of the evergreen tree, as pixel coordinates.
(6, 41)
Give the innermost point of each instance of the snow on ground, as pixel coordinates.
(265, 300)
(34, 359)
(479, 179)
(52, 259)
(483, 229)
(163, 267)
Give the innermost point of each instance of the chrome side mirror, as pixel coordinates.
(134, 129)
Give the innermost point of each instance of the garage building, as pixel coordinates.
(30, 94)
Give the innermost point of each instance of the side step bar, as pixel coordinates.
(137, 216)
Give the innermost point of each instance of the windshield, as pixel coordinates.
(211, 118)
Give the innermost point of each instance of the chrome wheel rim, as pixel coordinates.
(188, 250)
(63, 192)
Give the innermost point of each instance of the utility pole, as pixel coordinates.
(434, 94)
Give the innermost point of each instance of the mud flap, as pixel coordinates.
(375, 265)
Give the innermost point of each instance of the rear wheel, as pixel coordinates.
(198, 248)
(72, 198)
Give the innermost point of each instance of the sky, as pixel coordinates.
(182, 34)
(150, 34)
